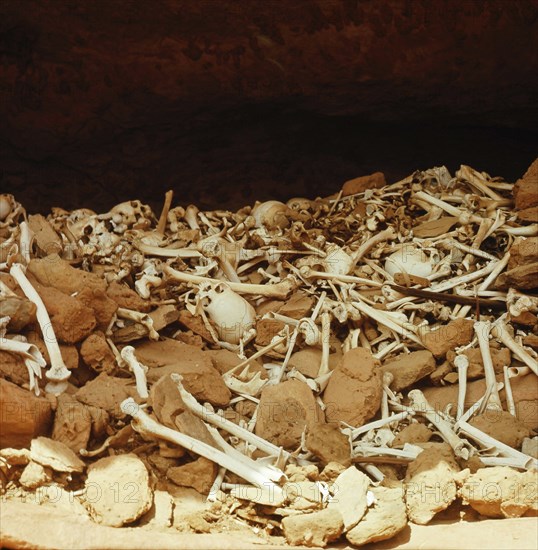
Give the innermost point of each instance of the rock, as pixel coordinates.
(126, 297)
(170, 410)
(23, 416)
(194, 323)
(55, 455)
(71, 320)
(350, 489)
(161, 512)
(117, 490)
(408, 368)
(72, 423)
(47, 241)
(430, 482)
(199, 376)
(414, 433)
(501, 491)
(456, 333)
(303, 495)
(353, 393)
(308, 360)
(528, 214)
(12, 368)
(199, 474)
(524, 390)
(296, 473)
(331, 472)
(530, 446)
(500, 358)
(501, 425)
(69, 352)
(362, 183)
(34, 475)
(526, 188)
(266, 330)
(315, 529)
(531, 340)
(224, 360)
(21, 312)
(96, 353)
(163, 316)
(523, 252)
(328, 443)
(523, 277)
(297, 306)
(383, 520)
(107, 392)
(103, 307)
(284, 411)
(56, 273)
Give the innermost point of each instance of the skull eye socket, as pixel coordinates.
(219, 289)
(205, 301)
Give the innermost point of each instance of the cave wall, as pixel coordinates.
(104, 101)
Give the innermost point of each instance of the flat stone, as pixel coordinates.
(55, 455)
(408, 368)
(23, 416)
(349, 490)
(353, 393)
(284, 411)
(199, 474)
(199, 376)
(117, 490)
(314, 529)
(362, 183)
(447, 337)
(383, 520)
(430, 482)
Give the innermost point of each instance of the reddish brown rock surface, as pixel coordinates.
(23, 416)
(353, 393)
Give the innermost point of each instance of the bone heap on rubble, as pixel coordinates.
(307, 370)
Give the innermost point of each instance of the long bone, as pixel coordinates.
(144, 424)
(58, 373)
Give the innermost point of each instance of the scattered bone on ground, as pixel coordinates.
(317, 371)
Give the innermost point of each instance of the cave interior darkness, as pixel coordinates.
(227, 103)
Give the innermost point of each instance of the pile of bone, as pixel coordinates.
(310, 370)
